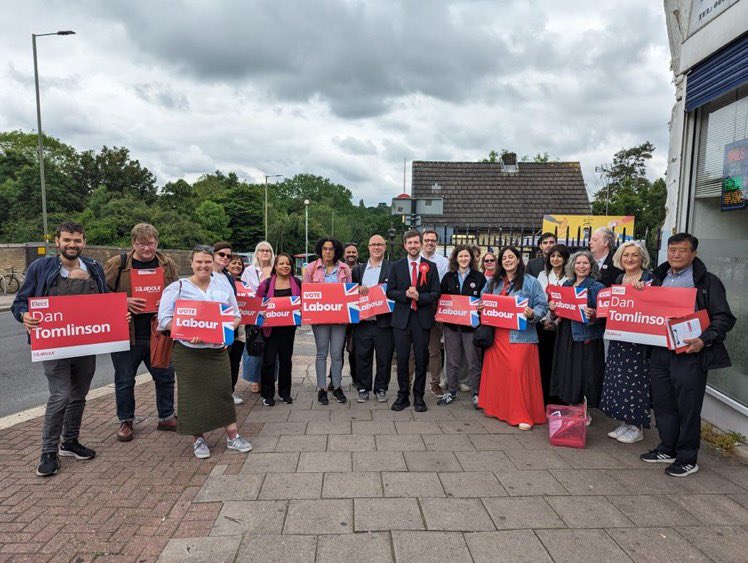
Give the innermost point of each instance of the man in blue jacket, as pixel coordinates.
(69, 378)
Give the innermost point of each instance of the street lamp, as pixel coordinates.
(306, 230)
(391, 232)
(40, 147)
(266, 201)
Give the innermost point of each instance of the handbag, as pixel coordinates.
(255, 342)
(161, 345)
(483, 336)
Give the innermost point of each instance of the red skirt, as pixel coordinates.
(510, 387)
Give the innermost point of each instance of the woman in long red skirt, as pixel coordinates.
(510, 387)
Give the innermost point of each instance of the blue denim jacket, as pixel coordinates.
(531, 289)
(581, 332)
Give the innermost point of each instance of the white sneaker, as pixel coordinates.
(525, 426)
(238, 400)
(200, 449)
(618, 431)
(239, 444)
(464, 387)
(631, 435)
(589, 419)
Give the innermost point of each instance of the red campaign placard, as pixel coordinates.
(569, 301)
(280, 311)
(640, 315)
(147, 284)
(375, 302)
(685, 328)
(458, 310)
(504, 311)
(249, 305)
(79, 325)
(210, 321)
(603, 302)
(329, 303)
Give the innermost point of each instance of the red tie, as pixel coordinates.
(414, 283)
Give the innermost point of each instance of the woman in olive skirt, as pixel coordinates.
(205, 400)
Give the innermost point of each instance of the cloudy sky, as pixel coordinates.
(340, 88)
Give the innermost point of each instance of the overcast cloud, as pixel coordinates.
(342, 89)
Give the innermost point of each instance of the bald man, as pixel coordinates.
(373, 335)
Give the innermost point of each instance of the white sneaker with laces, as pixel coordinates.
(632, 435)
(239, 444)
(525, 426)
(200, 449)
(617, 432)
(238, 400)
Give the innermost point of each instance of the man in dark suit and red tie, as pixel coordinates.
(414, 286)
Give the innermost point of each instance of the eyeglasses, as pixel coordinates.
(376, 245)
(489, 261)
(224, 255)
(146, 244)
(328, 249)
(264, 250)
(430, 240)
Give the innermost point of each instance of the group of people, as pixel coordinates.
(552, 360)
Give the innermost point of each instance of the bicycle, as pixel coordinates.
(11, 282)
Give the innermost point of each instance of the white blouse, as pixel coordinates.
(550, 278)
(219, 290)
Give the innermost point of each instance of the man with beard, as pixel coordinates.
(69, 378)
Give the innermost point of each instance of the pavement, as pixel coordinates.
(6, 301)
(359, 482)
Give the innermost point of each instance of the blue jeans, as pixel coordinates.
(126, 367)
(251, 367)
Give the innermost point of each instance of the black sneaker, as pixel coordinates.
(656, 456)
(330, 386)
(339, 395)
(288, 400)
(446, 399)
(322, 397)
(419, 405)
(268, 402)
(77, 450)
(681, 469)
(400, 403)
(49, 464)
(363, 396)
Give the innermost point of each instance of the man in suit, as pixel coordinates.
(373, 335)
(414, 286)
(537, 265)
(601, 246)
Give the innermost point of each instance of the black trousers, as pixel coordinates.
(279, 345)
(413, 334)
(235, 358)
(370, 341)
(678, 387)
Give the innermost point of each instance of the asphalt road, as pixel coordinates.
(22, 383)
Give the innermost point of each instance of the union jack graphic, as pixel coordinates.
(227, 322)
(296, 304)
(521, 303)
(351, 293)
(474, 317)
(581, 295)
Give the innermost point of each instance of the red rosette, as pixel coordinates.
(424, 269)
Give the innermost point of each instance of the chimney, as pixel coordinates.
(509, 163)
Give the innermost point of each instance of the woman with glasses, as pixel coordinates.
(552, 274)
(625, 394)
(329, 338)
(254, 274)
(488, 264)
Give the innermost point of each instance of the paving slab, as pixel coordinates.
(417, 427)
(324, 462)
(412, 484)
(385, 514)
(227, 487)
(522, 513)
(721, 543)
(218, 549)
(352, 485)
(589, 482)
(292, 486)
(283, 428)
(271, 462)
(329, 427)
(354, 548)
(714, 510)
(653, 511)
(656, 545)
(409, 443)
(483, 442)
(573, 546)
(431, 461)
(506, 546)
(471, 484)
(529, 483)
(456, 514)
(374, 427)
(299, 549)
(483, 461)
(301, 444)
(447, 443)
(537, 459)
(428, 547)
(328, 516)
(588, 512)
(379, 461)
(462, 427)
(250, 517)
(351, 443)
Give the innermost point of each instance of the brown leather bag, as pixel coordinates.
(161, 345)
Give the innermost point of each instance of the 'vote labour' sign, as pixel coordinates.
(570, 302)
(375, 302)
(147, 284)
(458, 310)
(78, 325)
(210, 321)
(249, 305)
(329, 303)
(504, 311)
(640, 315)
(280, 311)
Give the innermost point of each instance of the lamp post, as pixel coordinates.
(391, 232)
(40, 146)
(306, 230)
(266, 200)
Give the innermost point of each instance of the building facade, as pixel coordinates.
(707, 173)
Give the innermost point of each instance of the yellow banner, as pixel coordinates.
(578, 224)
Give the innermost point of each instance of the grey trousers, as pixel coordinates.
(329, 339)
(460, 350)
(69, 380)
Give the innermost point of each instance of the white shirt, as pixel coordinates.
(219, 290)
(442, 263)
(251, 276)
(550, 279)
(371, 274)
(64, 272)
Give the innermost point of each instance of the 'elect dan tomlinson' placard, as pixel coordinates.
(78, 325)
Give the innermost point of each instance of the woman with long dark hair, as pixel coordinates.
(510, 387)
(329, 338)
